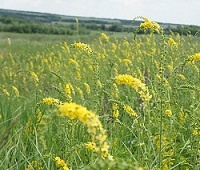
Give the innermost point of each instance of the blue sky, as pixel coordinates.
(172, 11)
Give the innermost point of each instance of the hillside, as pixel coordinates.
(36, 22)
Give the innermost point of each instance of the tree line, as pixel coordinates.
(8, 24)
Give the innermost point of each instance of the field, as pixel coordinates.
(104, 101)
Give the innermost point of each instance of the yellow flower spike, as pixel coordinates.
(15, 90)
(147, 24)
(195, 57)
(171, 42)
(50, 101)
(88, 118)
(9, 41)
(87, 86)
(68, 92)
(104, 36)
(115, 111)
(6, 92)
(35, 77)
(135, 84)
(74, 62)
(61, 164)
(82, 46)
(130, 111)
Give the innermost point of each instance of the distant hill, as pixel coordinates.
(36, 22)
(49, 18)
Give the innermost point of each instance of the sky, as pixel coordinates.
(168, 11)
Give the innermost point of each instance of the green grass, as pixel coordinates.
(33, 131)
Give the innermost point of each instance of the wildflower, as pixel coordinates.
(74, 62)
(135, 84)
(68, 92)
(104, 36)
(149, 25)
(127, 61)
(181, 76)
(50, 101)
(168, 113)
(82, 46)
(67, 89)
(195, 132)
(129, 110)
(115, 110)
(171, 42)
(99, 84)
(9, 41)
(61, 164)
(87, 88)
(15, 90)
(35, 77)
(195, 57)
(91, 146)
(6, 92)
(88, 118)
(80, 92)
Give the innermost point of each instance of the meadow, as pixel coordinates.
(117, 101)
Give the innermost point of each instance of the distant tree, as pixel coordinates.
(116, 28)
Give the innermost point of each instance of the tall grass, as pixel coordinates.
(110, 77)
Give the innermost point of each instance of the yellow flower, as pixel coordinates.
(91, 146)
(172, 42)
(115, 110)
(104, 36)
(50, 101)
(16, 90)
(127, 61)
(9, 41)
(82, 46)
(99, 84)
(135, 84)
(68, 92)
(195, 57)
(182, 76)
(130, 111)
(61, 164)
(88, 118)
(195, 132)
(6, 92)
(35, 77)
(74, 62)
(149, 25)
(168, 113)
(87, 88)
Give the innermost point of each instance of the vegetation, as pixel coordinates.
(32, 22)
(105, 101)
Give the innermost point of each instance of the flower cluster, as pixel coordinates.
(51, 100)
(172, 43)
(195, 57)
(104, 36)
(135, 84)
(88, 118)
(35, 77)
(61, 164)
(68, 92)
(82, 46)
(130, 111)
(147, 24)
